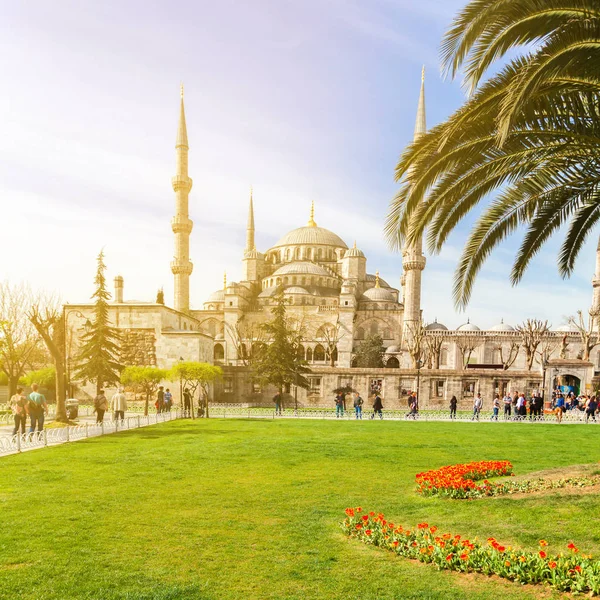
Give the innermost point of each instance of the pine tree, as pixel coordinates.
(97, 358)
(370, 352)
(279, 363)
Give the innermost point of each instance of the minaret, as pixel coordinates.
(250, 245)
(595, 310)
(181, 267)
(413, 260)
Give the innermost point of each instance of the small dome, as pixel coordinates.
(301, 268)
(354, 252)
(252, 254)
(296, 290)
(378, 294)
(468, 326)
(567, 328)
(502, 326)
(435, 326)
(218, 296)
(268, 292)
(392, 349)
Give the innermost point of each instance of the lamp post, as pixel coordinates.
(419, 365)
(66, 315)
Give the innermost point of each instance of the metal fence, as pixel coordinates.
(235, 411)
(60, 435)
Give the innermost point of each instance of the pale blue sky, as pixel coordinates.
(304, 99)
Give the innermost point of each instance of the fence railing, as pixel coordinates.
(59, 435)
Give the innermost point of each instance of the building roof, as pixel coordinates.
(393, 349)
(311, 236)
(218, 296)
(295, 290)
(354, 252)
(301, 268)
(383, 282)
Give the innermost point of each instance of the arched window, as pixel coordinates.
(333, 355)
(392, 363)
(444, 357)
(257, 348)
(301, 352)
(278, 281)
(297, 253)
(219, 352)
(319, 354)
(387, 334)
(360, 333)
(309, 354)
(320, 253)
(243, 351)
(285, 280)
(185, 326)
(303, 281)
(373, 328)
(287, 254)
(308, 253)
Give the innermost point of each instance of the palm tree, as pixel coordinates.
(530, 134)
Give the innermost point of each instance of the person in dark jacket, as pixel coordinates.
(453, 405)
(377, 407)
(590, 411)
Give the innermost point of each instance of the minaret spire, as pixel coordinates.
(250, 244)
(413, 261)
(181, 224)
(311, 220)
(421, 122)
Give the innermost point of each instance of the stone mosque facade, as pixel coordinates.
(336, 302)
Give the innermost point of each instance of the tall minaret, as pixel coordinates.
(595, 310)
(250, 245)
(181, 224)
(413, 260)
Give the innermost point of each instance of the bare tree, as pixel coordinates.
(533, 332)
(547, 348)
(415, 343)
(589, 339)
(243, 334)
(433, 342)
(46, 316)
(467, 344)
(18, 337)
(331, 334)
(508, 353)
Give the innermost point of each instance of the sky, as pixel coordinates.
(305, 100)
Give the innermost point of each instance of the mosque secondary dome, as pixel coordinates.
(302, 268)
(378, 294)
(435, 326)
(295, 290)
(502, 326)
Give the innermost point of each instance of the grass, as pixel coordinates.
(250, 509)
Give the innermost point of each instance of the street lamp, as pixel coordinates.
(181, 386)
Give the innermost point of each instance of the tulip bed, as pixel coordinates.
(571, 571)
(458, 481)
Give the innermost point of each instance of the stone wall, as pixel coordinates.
(138, 347)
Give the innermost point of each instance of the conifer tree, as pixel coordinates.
(97, 358)
(370, 352)
(279, 363)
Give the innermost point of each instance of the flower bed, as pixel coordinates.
(572, 571)
(458, 481)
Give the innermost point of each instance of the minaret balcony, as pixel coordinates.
(181, 225)
(181, 182)
(181, 268)
(413, 263)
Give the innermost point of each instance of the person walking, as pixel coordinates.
(590, 411)
(277, 400)
(18, 405)
(187, 402)
(160, 399)
(339, 405)
(100, 406)
(453, 405)
(414, 407)
(118, 404)
(477, 404)
(496, 407)
(507, 406)
(358, 404)
(559, 407)
(377, 406)
(37, 407)
(168, 400)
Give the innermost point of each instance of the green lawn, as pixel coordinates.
(250, 509)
